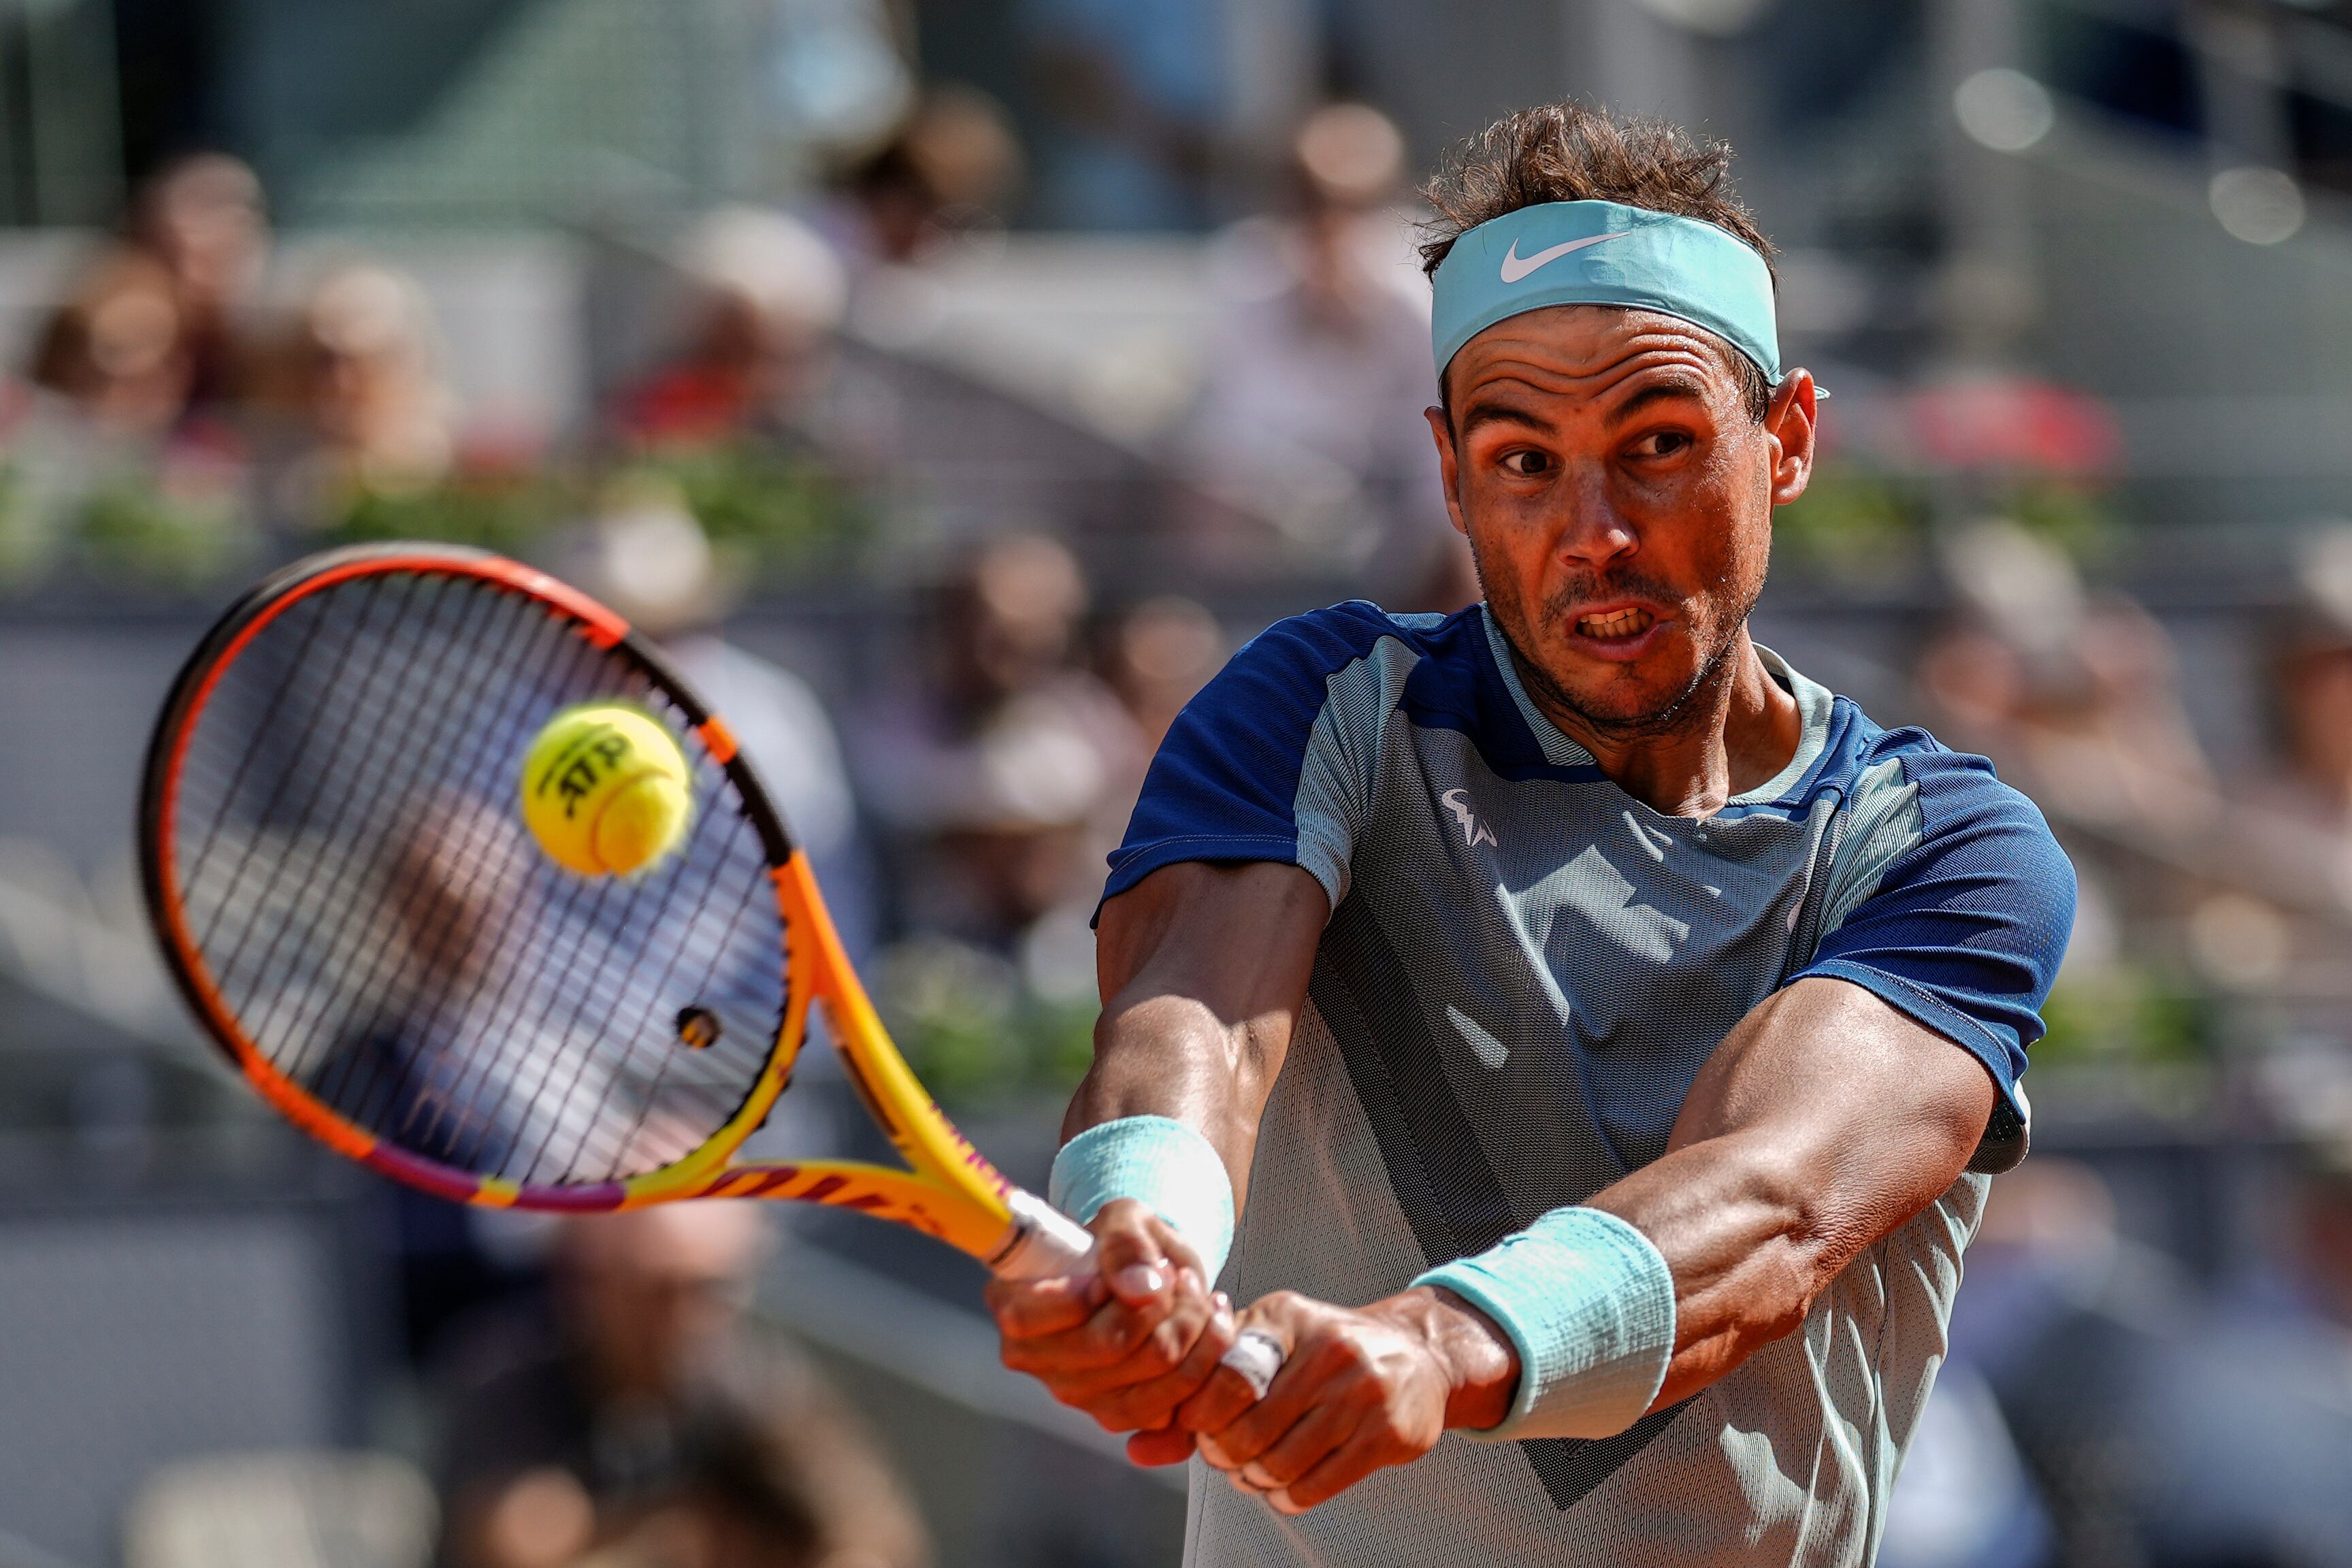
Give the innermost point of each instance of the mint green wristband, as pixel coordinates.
(1589, 1305)
(1162, 1165)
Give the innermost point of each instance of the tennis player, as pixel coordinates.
(1603, 1032)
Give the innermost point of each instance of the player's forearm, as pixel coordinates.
(1823, 1121)
(1750, 1237)
(1169, 1056)
(1204, 971)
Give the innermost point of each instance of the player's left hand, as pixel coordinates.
(1360, 1389)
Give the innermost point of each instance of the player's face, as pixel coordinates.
(1618, 495)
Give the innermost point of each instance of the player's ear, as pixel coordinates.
(1441, 429)
(1792, 421)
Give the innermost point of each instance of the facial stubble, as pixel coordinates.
(1719, 638)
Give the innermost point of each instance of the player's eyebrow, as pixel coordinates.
(1490, 412)
(1668, 389)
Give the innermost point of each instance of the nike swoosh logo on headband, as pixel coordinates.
(1514, 269)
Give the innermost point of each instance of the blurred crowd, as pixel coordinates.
(2108, 1401)
(198, 406)
(631, 1417)
(195, 408)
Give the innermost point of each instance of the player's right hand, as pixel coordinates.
(1126, 1345)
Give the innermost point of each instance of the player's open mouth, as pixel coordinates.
(1615, 626)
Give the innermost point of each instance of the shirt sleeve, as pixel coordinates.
(1966, 926)
(1273, 760)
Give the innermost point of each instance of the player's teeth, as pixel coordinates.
(1624, 623)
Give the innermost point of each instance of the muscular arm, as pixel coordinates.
(1825, 1119)
(1204, 970)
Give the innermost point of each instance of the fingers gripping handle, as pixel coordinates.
(1043, 1242)
(1256, 1357)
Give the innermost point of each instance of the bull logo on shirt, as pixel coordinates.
(1474, 832)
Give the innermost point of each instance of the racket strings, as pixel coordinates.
(489, 863)
(373, 917)
(520, 1080)
(620, 1146)
(331, 883)
(348, 874)
(292, 666)
(309, 898)
(370, 814)
(269, 810)
(504, 852)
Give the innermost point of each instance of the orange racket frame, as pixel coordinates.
(948, 1191)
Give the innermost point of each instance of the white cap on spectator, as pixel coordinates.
(778, 263)
(2323, 573)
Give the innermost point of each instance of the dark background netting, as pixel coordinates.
(357, 878)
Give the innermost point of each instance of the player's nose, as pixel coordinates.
(1591, 529)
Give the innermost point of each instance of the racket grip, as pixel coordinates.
(1042, 1242)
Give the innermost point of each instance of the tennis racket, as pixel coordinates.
(345, 892)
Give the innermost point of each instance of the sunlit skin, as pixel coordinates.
(1618, 497)
(1617, 492)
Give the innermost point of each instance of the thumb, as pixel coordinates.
(1133, 1264)
(1168, 1445)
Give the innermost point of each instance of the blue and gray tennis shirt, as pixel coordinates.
(1524, 969)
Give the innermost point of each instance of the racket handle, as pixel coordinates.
(1042, 1242)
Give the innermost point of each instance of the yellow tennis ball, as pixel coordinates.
(605, 790)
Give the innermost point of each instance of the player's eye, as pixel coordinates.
(1526, 463)
(1661, 443)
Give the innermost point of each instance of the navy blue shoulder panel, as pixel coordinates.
(1457, 687)
(1966, 930)
(1224, 781)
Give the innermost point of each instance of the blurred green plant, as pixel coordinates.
(28, 541)
(163, 531)
(973, 1031)
(505, 511)
(778, 513)
(2075, 517)
(782, 511)
(1853, 524)
(2127, 1016)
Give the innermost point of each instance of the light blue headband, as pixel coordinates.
(1602, 253)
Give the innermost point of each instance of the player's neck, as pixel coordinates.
(1736, 732)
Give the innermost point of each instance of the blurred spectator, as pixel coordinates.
(2311, 666)
(2076, 695)
(150, 330)
(351, 398)
(1318, 371)
(1003, 777)
(2066, 1323)
(653, 1427)
(838, 74)
(953, 165)
(1130, 90)
(119, 350)
(646, 557)
(2254, 1411)
(1161, 652)
(764, 293)
(203, 217)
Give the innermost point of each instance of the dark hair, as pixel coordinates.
(1568, 152)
